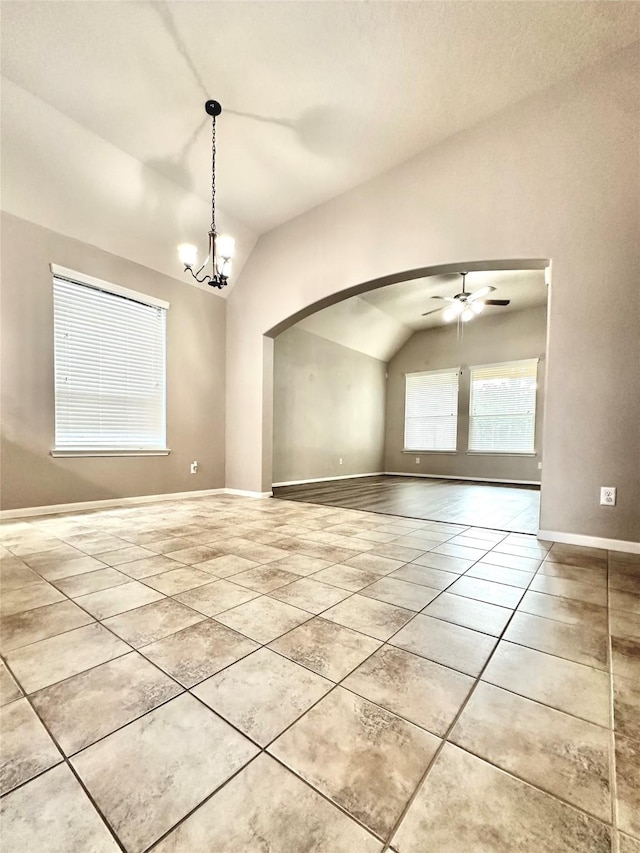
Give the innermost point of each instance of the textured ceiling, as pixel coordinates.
(318, 96)
(378, 323)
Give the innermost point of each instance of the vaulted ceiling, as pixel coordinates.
(317, 96)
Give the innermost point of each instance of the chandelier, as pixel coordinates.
(220, 247)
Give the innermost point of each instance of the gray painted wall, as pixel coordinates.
(556, 176)
(485, 340)
(195, 379)
(328, 403)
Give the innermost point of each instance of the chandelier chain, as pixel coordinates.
(213, 175)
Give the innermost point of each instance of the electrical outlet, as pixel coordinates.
(340, 461)
(417, 460)
(539, 466)
(194, 467)
(607, 496)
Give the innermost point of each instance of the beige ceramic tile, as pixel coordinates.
(626, 706)
(30, 626)
(194, 554)
(226, 566)
(199, 651)
(573, 642)
(27, 749)
(262, 694)
(150, 774)
(326, 648)
(310, 594)
(375, 618)
(152, 622)
(501, 574)
(425, 576)
(28, 598)
(265, 807)
(565, 610)
(624, 625)
(91, 582)
(627, 763)
(215, 597)
(300, 564)
(444, 562)
(567, 686)
(126, 555)
(423, 692)
(574, 590)
(461, 551)
(52, 814)
(578, 574)
(371, 563)
(487, 591)
(68, 568)
(48, 661)
(346, 577)
(148, 567)
(359, 755)
(85, 708)
(178, 580)
(477, 615)
(445, 643)
(15, 574)
(9, 690)
(563, 755)
(118, 599)
(265, 578)
(400, 593)
(628, 845)
(263, 619)
(509, 561)
(625, 657)
(466, 804)
(621, 600)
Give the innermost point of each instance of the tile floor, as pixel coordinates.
(225, 675)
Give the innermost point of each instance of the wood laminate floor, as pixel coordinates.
(493, 505)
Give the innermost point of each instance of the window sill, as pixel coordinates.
(425, 452)
(79, 452)
(498, 453)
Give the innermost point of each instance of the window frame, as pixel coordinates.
(515, 453)
(84, 280)
(447, 370)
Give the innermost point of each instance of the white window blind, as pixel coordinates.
(109, 370)
(431, 410)
(502, 410)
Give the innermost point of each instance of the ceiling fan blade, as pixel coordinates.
(446, 298)
(497, 301)
(435, 311)
(478, 294)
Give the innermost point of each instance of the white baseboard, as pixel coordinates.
(328, 479)
(243, 493)
(54, 509)
(466, 479)
(589, 541)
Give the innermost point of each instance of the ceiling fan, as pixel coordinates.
(465, 305)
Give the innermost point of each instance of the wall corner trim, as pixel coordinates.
(54, 509)
(589, 541)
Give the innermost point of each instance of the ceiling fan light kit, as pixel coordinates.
(464, 305)
(221, 247)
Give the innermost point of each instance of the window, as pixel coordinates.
(431, 410)
(109, 367)
(502, 410)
